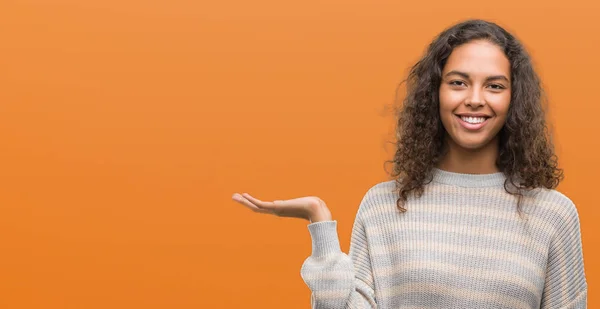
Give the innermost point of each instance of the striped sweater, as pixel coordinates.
(460, 245)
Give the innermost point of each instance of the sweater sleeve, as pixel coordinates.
(566, 286)
(336, 280)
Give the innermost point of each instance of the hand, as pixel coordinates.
(310, 208)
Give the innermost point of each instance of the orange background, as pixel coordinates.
(126, 126)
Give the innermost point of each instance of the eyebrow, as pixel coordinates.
(465, 75)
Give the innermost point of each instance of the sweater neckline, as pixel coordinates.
(468, 180)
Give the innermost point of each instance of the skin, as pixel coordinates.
(310, 208)
(476, 79)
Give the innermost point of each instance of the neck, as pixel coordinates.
(470, 161)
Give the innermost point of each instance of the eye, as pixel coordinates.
(457, 83)
(497, 86)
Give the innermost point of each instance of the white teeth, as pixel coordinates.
(473, 120)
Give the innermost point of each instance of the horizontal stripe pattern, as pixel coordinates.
(460, 245)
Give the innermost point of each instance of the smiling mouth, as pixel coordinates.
(472, 123)
(472, 119)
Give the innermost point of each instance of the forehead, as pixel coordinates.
(478, 58)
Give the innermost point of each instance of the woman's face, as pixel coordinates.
(475, 94)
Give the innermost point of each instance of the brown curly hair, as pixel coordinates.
(526, 153)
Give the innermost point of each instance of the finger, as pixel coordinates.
(284, 203)
(240, 199)
(260, 204)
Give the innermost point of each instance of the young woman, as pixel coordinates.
(472, 218)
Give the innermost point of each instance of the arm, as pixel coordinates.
(566, 286)
(339, 281)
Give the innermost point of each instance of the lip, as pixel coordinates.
(471, 126)
(474, 115)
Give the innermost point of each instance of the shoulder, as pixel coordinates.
(381, 190)
(553, 206)
(379, 197)
(551, 200)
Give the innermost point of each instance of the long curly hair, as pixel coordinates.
(526, 153)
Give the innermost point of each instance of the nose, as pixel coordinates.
(475, 98)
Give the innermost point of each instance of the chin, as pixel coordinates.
(471, 145)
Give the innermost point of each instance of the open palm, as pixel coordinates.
(310, 208)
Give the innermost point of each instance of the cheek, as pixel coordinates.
(447, 104)
(449, 100)
(446, 112)
(500, 106)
